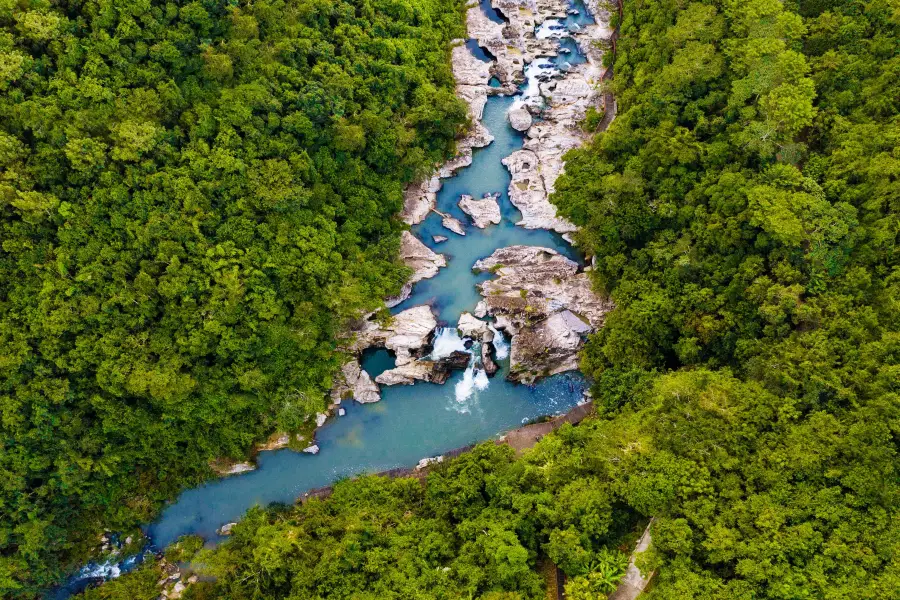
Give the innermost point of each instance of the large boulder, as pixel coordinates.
(528, 193)
(424, 262)
(433, 371)
(354, 382)
(519, 118)
(483, 212)
(407, 333)
(546, 303)
(469, 326)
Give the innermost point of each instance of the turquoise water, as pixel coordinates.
(452, 291)
(410, 422)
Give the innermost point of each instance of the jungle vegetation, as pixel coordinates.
(194, 197)
(744, 212)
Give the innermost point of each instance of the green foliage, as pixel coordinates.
(743, 211)
(474, 531)
(184, 549)
(194, 197)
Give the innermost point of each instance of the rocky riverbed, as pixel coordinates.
(540, 298)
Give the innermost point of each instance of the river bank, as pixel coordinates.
(425, 419)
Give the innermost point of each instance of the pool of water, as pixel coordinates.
(452, 291)
(410, 422)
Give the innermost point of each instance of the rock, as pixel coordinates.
(356, 383)
(426, 462)
(342, 412)
(439, 239)
(541, 299)
(483, 212)
(226, 529)
(407, 334)
(480, 309)
(275, 442)
(457, 360)
(452, 223)
(176, 591)
(225, 467)
(418, 200)
(519, 118)
(314, 449)
(433, 371)
(420, 258)
(528, 193)
(469, 326)
(128, 540)
(490, 367)
(468, 69)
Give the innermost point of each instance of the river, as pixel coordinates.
(410, 422)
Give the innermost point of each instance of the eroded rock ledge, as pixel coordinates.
(545, 303)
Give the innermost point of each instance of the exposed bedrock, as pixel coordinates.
(434, 371)
(424, 262)
(483, 212)
(472, 76)
(545, 303)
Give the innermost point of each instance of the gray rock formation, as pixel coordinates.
(357, 384)
(433, 371)
(519, 118)
(540, 298)
(439, 239)
(483, 212)
(407, 334)
(528, 193)
(469, 326)
(419, 257)
(424, 262)
(487, 361)
(452, 223)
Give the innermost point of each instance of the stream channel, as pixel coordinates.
(410, 422)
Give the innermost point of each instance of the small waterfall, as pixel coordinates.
(446, 342)
(474, 379)
(481, 380)
(501, 346)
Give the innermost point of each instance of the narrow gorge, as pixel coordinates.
(486, 333)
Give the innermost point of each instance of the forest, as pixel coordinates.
(194, 198)
(743, 211)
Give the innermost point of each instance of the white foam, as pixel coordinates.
(447, 342)
(551, 28)
(481, 380)
(501, 346)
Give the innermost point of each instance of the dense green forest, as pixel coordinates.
(194, 196)
(744, 212)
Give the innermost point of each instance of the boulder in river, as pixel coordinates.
(519, 118)
(483, 212)
(469, 326)
(354, 382)
(433, 371)
(406, 334)
(452, 223)
(490, 367)
(543, 300)
(439, 239)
